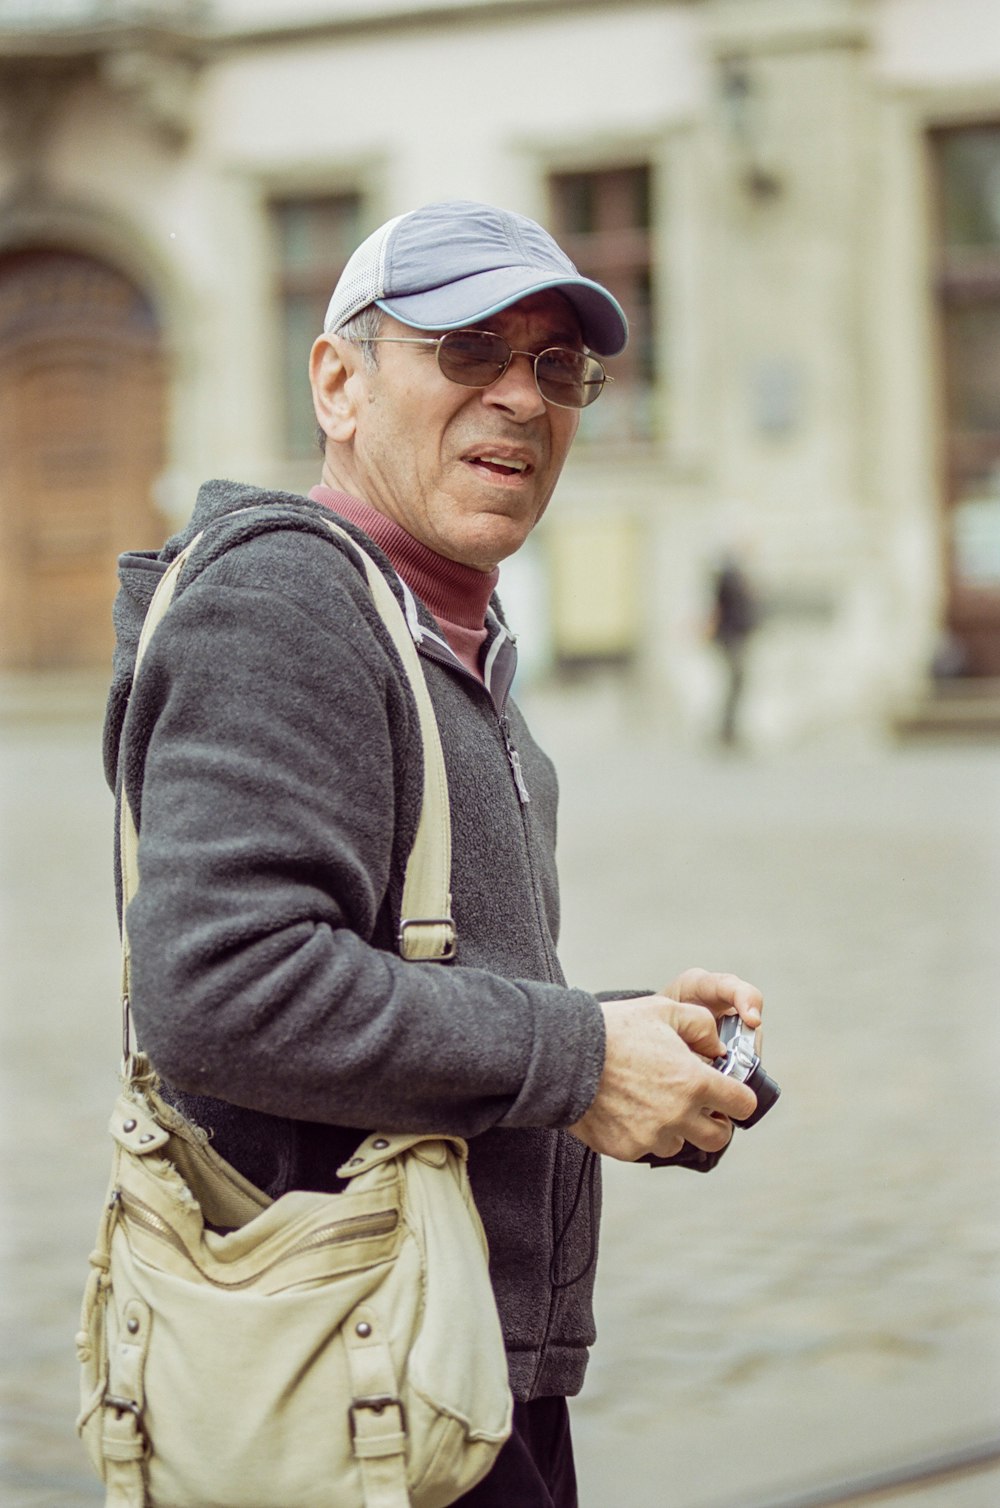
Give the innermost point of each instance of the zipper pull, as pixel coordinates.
(515, 761)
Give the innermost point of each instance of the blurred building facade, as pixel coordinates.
(797, 201)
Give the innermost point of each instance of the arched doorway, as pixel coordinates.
(81, 444)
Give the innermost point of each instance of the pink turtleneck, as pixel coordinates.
(457, 595)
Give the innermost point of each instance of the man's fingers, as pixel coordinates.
(716, 1096)
(730, 1098)
(666, 1145)
(709, 1092)
(712, 1091)
(710, 1132)
(696, 1026)
(719, 992)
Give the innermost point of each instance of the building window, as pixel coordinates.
(604, 222)
(313, 238)
(966, 164)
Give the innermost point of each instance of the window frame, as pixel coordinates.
(621, 257)
(295, 431)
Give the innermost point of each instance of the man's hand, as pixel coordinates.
(658, 1088)
(720, 993)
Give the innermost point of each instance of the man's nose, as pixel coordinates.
(516, 391)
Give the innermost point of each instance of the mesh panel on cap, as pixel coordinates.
(362, 280)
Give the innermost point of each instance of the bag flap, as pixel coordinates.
(135, 1128)
(430, 1147)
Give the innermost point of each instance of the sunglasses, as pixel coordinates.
(475, 358)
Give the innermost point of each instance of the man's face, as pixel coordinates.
(467, 471)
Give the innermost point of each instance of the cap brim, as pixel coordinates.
(468, 300)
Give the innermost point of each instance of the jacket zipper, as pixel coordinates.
(514, 760)
(452, 662)
(351, 1228)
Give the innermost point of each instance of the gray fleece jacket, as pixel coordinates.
(271, 750)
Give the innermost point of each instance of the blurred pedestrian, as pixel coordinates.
(735, 616)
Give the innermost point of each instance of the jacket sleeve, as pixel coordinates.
(263, 763)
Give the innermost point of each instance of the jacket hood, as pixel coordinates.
(139, 571)
(247, 511)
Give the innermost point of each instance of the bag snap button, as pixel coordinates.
(363, 1329)
(133, 1326)
(380, 1144)
(129, 1125)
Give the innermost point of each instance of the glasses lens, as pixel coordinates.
(475, 358)
(567, 378)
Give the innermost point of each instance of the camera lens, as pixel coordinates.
(765, 1089)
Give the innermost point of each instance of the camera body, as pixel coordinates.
(739, 1061)
(742, 1062)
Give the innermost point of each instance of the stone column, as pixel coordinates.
(789, 468)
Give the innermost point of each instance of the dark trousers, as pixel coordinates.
(535, 1467)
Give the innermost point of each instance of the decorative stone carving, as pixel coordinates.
(152, 59)
(161, 87)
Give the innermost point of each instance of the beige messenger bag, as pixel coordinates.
(313, 1351)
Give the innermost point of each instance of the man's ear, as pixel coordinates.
(332, 363)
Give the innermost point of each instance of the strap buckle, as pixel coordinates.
(123, 1443)
(121, 1405)
(375, 1403)
(431, 921)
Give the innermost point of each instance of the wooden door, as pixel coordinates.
(81, 445)
(966, 163)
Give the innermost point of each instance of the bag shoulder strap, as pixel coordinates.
(426, 930)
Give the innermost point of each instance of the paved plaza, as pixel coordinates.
(823, 1305)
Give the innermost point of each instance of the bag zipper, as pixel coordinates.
(338, 1232)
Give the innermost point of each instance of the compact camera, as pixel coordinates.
(740, 1061)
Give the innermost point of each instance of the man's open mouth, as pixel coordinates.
(500, 465)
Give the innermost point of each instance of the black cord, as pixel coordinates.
(588, 1171)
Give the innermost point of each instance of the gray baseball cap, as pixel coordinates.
(455, 263)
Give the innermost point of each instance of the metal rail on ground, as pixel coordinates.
(894, 1481)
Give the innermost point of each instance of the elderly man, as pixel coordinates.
(273, 758)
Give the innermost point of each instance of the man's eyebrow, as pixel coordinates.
(554, 336)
